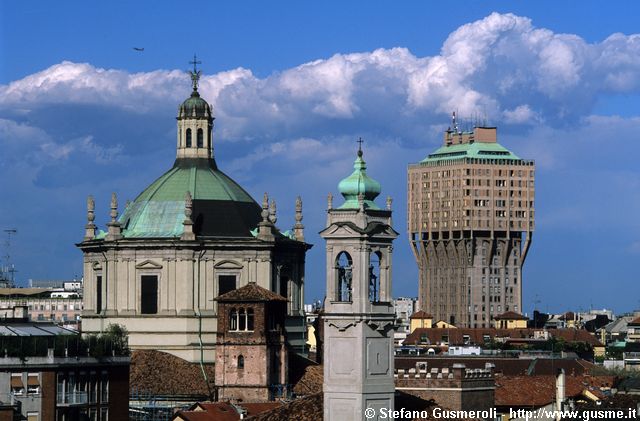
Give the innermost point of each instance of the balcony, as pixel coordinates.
(72, 398)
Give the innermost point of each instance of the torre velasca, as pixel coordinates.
(470, 222)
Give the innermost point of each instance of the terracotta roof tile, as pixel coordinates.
(310, 408)
(576, 335)
(634, 322)
(202, 416)
(536, 391)
(218, 411)
(311, 381)
(251, 292)
(510, 315)
(158, 373)
(421, 315)
(224, 411)
(259, 408)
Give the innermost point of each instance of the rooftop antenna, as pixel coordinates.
(10, 267)
(454, 123)
(536, 301)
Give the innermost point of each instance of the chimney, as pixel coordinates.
(458, 371)
(490, 367)
(560, 391)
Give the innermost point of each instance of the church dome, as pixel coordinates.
(359, 183)
(194, 107)
(221, 208)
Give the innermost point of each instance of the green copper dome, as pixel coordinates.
(359, 183)
(221, 208)
(194, 107)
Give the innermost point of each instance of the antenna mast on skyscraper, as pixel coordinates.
(536, 302)
(10, 268)
(454, 123)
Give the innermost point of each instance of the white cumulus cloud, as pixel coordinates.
(501, 66)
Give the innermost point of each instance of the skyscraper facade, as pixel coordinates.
(470, 224)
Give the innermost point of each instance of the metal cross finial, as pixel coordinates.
(360, 146)
(195, 62)
(195, 74)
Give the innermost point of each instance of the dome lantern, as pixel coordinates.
(195, 122)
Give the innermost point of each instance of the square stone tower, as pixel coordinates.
(359, 315)
(252, 356)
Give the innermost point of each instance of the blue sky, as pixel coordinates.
(293, 84)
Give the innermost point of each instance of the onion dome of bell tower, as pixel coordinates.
(359, 183)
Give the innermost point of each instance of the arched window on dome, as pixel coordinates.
(188, 135)
(344, 276)
(200, 139)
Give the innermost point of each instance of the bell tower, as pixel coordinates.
(359, 314)
(195, 123)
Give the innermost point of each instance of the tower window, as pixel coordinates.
(343, 277)
(149, 294)
(188, 138)
(200, 139)
(250, 319)
(241, 320)
(233, 319)
(240, 362)
(374, 277)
